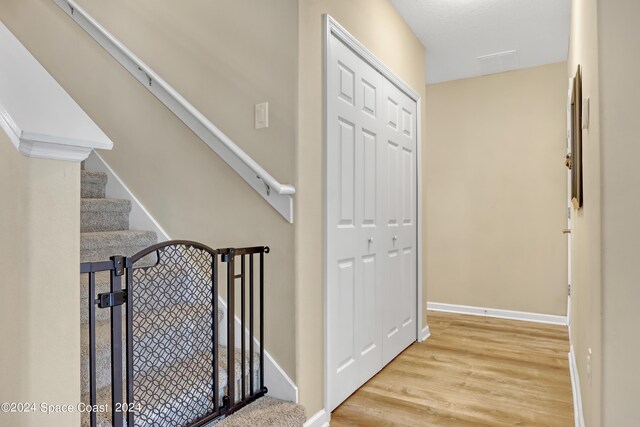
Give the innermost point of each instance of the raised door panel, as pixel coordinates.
(392, 183)
(408, 187)
(392, 302)
(370, 179)
(368, 338)
(407, 309)
(347, 179)
(345, 350)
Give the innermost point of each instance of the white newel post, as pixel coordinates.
(46, 135)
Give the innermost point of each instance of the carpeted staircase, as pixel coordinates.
(105, 232)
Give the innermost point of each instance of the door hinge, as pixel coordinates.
(569, 289)
(111, 299)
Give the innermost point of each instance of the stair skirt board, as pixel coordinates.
(278, 382)
(499, 313)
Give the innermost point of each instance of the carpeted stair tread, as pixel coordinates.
(95, 176)
(111, 205)
(114, 239)
(267, 412)
(99, 246)
(92, 184)
(104, 215)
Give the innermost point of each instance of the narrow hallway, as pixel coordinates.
(472, 371)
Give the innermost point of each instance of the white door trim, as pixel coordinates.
(332, 27)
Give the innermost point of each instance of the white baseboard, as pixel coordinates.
(578, 415)
(426, 333)
(570, 336)
(278, 382)
(320, 419)
(495, 312)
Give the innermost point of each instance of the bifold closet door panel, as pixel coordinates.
(354, 204)
(399, 218)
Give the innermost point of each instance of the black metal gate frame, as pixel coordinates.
(120, 266)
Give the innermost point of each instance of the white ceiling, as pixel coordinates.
(456, 32)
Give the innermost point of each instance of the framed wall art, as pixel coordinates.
(574, 160)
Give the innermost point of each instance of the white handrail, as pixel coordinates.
(277, 194)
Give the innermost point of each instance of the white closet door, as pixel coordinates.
(400, 232)
(354, 205)
(371, 231)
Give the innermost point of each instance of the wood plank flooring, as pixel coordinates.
(472, 371)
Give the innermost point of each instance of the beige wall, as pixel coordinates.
(496, 191)
(377, 25)
(223, 56)
(619, 37)
(39, 316)
(586, 256)
(606, 232)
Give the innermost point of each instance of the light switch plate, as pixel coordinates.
(262, 115)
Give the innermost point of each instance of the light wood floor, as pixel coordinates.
(472, 371)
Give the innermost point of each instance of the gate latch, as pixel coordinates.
(111, 299)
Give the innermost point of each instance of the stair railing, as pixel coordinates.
(277, 194)
(171, 343)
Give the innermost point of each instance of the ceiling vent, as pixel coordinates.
(498, 62)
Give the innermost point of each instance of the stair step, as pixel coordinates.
(154, 329)
(99, 246)
(104, 215)
(267, 412)
(92, 184)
